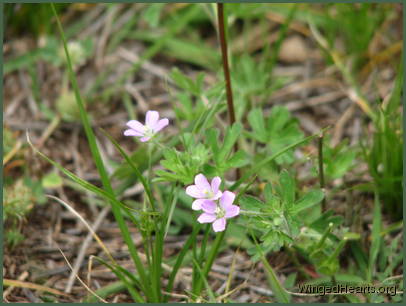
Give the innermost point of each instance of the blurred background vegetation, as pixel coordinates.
(306, 65)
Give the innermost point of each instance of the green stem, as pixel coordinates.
(180, 258)
(210, 260)
(321, 169)
(324, 237)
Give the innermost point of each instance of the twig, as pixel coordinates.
(314, 101)
(338, 130)
(83, 248)
(22, 277)
(80, 280)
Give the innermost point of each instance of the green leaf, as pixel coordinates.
(310, 199)
(376, 237)
(259, 165)
(251, 203)
(153, 13)
(352, 236)
(186, 83)
(283, 130)
(288, 188)
(257, 123)
(238, 160)
(230, 138)
(52, 181)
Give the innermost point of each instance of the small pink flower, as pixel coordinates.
(218, 213)
(152, 126)
(202, 190)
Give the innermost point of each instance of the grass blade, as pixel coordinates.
(206, 284)
(134, 167)
(376, 237)
(98, 160)
(280, 293)
(135, 295)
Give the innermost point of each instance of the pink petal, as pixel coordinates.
(227, 199)
(197, 204)
(216, 196)
(215, 184)
(160, 125)
(206, 218)
(209, 206)
(137, 126)
(131, 132)
(194, 192)
(145, 139)
(232, 211)
(219, 225)
(201, 182)
(151, 118)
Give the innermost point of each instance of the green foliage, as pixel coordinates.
(66, 106)
(323, 249)
(182, 166)
(279, 218)
(52, 181)
(18, 200)
(152, 14)
(384, 154)
(51, 53)
(37, 18)
(222, 155)
(358, 24)
(8, 141)
(194, 87)
(252, 82)
(276, 131)
(192, 100)
(338, 160)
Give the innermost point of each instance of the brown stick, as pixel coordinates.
(224, 54)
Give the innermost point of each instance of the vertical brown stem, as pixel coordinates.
(223, 43)
(224, 54)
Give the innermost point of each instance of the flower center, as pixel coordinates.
(148, 131)
(208, 193)
(220, 212)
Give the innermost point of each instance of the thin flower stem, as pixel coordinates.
(223, 44)
(210, 259)
(202, 253)
(181, 256)
(230, 105)
(224, 55)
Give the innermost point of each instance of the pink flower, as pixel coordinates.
(202, 190)
(218, 213)
(152, 126)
